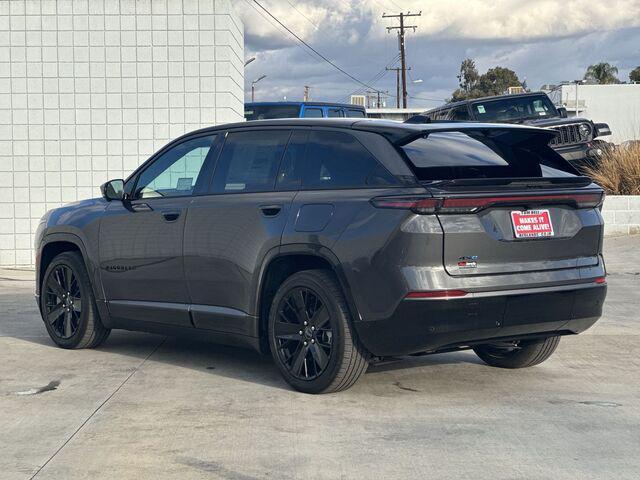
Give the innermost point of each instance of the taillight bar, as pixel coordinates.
(473, 204)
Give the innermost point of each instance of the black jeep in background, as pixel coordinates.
(576, 139)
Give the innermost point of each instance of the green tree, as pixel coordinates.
(497, 80)
(473, 85)
(602, 73)
(634, 75)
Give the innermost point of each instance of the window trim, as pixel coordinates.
(135, 176)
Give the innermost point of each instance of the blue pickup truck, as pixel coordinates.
(270, 110)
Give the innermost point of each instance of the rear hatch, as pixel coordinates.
(507, 203)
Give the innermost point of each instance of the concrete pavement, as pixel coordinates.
(145, 406)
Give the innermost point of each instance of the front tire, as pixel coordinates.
(310, 334)
(521, 354)
(68, 306)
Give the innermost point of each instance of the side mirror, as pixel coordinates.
(562, 112)
(602, 129)
(113, 190)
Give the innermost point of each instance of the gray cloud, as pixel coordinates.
(544, 41)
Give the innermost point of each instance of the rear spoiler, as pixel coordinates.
(505, 134)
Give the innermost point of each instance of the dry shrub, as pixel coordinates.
(619, 171)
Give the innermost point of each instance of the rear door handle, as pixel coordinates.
(171, 216)
(270, 210)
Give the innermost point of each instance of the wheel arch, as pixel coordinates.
(283, 262)
(52, 246)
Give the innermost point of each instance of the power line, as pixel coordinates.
(307, 18)
(337, 67)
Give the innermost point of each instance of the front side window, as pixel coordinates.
(338, 160)
(175, 172)
(249, 161)
(312, 113)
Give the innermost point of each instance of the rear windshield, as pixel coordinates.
(458, 155)
(266, 112)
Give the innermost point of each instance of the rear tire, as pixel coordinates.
(526, 353)
(68, 306)
(310, 334)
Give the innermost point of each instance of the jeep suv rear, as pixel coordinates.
(331, 242)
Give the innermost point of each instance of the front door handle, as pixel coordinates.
(270, 210)
(171, 215)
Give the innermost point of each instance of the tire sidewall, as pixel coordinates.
(337, 320)
(70, 260)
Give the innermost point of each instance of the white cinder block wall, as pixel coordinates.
(90, 88)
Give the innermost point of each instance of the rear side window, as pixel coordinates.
(249, 161)
(457, 155)
(353, 113)
(335, 112)
(312, 113)
(338, 160)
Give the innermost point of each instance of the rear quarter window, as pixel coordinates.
(336, 160)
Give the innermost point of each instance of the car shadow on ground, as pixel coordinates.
(186, 352)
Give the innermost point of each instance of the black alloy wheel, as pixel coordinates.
(68, 306)
(63, 301)
(303, 333)
(311, 338)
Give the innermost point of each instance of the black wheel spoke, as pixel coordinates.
(300, 304)
(288, 331)
(55, 313)
(55, 287)
(298, 360)
(67, 324)
(68, 277)
(320, 356)
(320, 318)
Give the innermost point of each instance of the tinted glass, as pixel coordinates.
(355, 113)
(265, 112)
(249, 161)
(514, 108)
(454, 155)
(339, 160)
(335, 112)
(312, 113)
(292, 165)
(176, 171)
(460, 113)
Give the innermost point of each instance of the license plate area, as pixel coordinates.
(532, 224)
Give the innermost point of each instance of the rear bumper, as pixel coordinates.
(434, 324)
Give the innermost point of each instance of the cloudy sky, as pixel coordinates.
(544, 41)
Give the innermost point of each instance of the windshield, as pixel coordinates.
(514, 109)
(266, 112)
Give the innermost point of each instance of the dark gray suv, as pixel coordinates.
(330, 243)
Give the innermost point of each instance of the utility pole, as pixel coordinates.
(403, 60)
(306, 96)
(397, 70)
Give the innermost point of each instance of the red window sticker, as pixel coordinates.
(532, 224)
